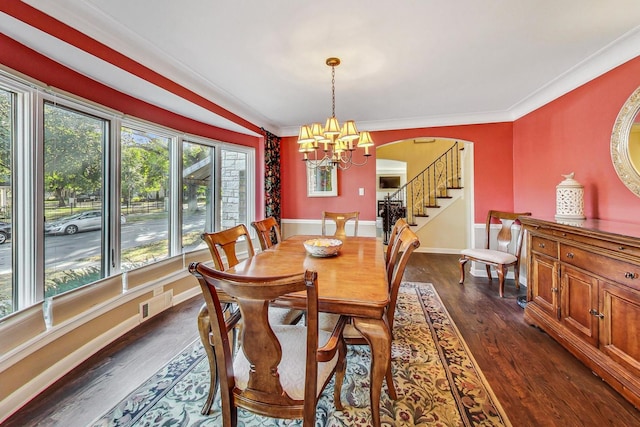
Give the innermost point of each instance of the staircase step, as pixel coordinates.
(420, 216)
(455, 188)
(431, 206)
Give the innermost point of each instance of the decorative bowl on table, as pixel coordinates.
(322, 247)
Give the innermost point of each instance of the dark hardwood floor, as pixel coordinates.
(537, 382)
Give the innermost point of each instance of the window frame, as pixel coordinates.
(28, 193)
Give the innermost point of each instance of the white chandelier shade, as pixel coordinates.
(332, 145)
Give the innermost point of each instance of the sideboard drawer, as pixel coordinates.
(612, 269)
(544, 246)
(617, 247)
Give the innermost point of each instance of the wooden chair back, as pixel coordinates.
(259, 388)
(400, 225)
(406, 242)
(340, 219)
(268, 232)
(507, 221)
(226, 241)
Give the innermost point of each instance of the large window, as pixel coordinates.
(7, 137)
(73, 186)
(198, 167)
(145, 197)
(86, 194)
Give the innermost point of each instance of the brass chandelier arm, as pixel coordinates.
(337, 143)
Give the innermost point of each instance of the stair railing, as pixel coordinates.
(423, 191)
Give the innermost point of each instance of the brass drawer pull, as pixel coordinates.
(570, 255)
(630, 275)
(594, 312)
(541, 245)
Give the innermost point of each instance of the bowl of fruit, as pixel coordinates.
(322, 247)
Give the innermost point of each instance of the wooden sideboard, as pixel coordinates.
(584, 291)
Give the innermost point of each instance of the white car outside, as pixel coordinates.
(85, 221)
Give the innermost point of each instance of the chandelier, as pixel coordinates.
(333, 146)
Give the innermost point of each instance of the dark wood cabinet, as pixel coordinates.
(579, 296)
(584, 291)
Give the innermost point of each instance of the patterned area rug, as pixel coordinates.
(437, 380)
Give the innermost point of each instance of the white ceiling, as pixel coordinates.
(404, 63)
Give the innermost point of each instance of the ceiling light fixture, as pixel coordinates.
(332, 146)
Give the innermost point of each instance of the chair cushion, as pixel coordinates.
(292, 366)
(489, 255)
(327, 322)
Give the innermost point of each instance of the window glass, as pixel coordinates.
(65, 240)
(145, 197)
(197, 190)
(7, 113)
(73, 184)
(233, 204)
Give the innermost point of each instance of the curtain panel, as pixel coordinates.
(272, 190)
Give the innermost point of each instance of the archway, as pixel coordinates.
(448, 227)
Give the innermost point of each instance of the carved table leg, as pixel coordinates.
(376, 333)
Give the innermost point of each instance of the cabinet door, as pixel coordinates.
(544, 284)
(620, 326)
(579, 304)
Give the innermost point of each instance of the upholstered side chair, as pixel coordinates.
(502, 254)
(275, 374)
(229, 243)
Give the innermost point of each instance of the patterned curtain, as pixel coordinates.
(272, 175)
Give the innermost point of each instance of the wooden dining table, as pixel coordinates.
(352, 283)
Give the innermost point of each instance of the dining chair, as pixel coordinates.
(400, 225)
(340, 219)
(405, 244)
(268, 232)
(227, 242)
(500, 256)
(282, 369)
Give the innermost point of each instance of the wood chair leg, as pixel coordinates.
(516, 274)
(340, 370)
(501, 270)
(462, 262)
(204, 328)
(488, 267)
(390, 386)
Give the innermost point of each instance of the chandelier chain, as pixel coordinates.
(333, 145)
(333, 90)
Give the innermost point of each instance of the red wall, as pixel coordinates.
(493, 173)
(573, 134)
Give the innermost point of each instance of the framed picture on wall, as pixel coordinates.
(322, 181)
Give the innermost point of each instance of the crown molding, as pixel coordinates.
(611, 56)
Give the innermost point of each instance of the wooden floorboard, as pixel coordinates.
(537, 382)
